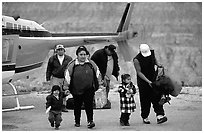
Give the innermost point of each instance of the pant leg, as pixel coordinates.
(128, 117)
(62, 82)
(145, 99)
(58, 118)
(88, 103)
(125, 117)
(107, 80)
(51, 117)
(158, 109)
(77, 107)
(122, 117)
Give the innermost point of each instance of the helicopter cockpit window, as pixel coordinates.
(19, 26)
(9, 25)
(15, 26)
(7, 50)
(24, 27)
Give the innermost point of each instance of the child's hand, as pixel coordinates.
(101, 82)
(66, 92)
(48, 109)
(128, 95)
(130, 91)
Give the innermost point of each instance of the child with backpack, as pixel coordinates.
(127, 103)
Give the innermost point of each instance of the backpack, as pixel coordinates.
(163, 83)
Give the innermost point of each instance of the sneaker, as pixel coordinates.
(77, 125)
(127, 124)
(65, 110)
(52, 124)
(146, 121)
(91, 124)
(57, 127)
(161, 120)
(122, 123)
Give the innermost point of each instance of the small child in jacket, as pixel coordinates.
(127, 103)
(55, 103)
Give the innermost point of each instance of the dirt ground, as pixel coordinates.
(184, 114)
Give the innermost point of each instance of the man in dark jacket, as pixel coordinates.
(56, 68)
(107, 61)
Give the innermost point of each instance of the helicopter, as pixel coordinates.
(25, 45)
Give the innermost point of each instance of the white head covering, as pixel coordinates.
(145, 50)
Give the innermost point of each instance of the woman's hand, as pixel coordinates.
(150, 83)
(67, 92)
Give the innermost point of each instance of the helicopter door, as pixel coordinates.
(9, 52)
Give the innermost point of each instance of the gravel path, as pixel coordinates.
(184, 114)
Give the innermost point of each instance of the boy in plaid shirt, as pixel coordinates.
(127, 103)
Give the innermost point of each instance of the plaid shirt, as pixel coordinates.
(127, 102)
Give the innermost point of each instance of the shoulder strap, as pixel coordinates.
(73, 70)
(96, 83)
(71, 76)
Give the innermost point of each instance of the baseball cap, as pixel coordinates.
(145, 50)
(59, 46)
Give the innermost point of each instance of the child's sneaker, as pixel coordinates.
(52, 124)
(57, 126)
(146, 121)
(127, 124)
(77, 125)
(122, 123)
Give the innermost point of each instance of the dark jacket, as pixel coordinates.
(101, 58)
(82, 77)
(127, 103)
(56, 104)
(54, 68)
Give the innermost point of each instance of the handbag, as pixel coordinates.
(166, 83)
